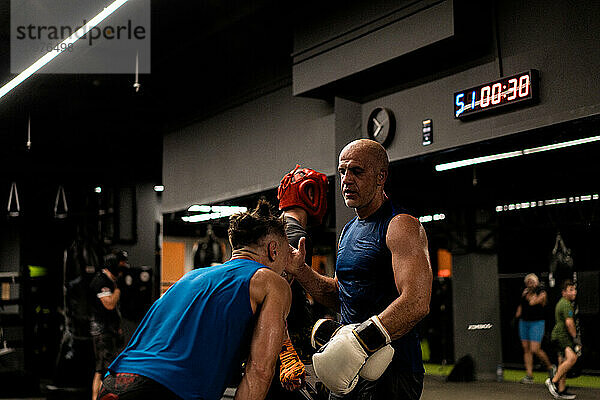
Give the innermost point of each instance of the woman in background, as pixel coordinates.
(530, 313)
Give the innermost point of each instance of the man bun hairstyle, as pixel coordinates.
(248, 228)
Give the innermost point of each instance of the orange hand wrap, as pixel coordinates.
(292, 371)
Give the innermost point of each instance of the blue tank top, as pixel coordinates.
(366, 278)
(193, 338)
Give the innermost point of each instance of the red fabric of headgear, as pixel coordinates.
(294, 187)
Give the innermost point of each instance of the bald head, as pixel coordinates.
(369, 148)
(363, 169)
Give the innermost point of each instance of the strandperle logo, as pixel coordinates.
(52, 33)
(114, 42)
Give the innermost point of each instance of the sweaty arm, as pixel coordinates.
(322, 288)
(407, 242)
(271, 298)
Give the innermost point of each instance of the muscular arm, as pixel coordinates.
(322, 288)
(407, 242)
(272, 297)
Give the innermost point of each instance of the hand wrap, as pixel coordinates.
(292, 371)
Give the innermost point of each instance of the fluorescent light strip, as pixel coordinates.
(501, 156)
(219, 209)
(199, 208)
(561, 145)
(434, 217)
(211, 212)
(33, 68)
(548, 202)
(478, 160)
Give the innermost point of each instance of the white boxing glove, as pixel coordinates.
(354, 350)
(376, 364)
(339, 361)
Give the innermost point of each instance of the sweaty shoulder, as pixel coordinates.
(405, 227)
(266, 282)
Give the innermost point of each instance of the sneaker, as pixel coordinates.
(527, 379)
(564, 395)
(552, 388)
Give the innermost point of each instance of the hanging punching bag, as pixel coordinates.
(561, 263)
(75, 359)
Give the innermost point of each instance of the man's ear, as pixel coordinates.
(272, 250)
(381, 177)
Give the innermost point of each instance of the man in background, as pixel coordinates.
(565, 339)
(105, 321)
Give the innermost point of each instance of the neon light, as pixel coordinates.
(517, 89)
(485, 94)
(524, 93)
(36, 66)
(496, 93)
(460, 103)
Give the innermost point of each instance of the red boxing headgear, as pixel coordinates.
(294, 187)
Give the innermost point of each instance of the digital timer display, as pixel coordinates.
(517, 89)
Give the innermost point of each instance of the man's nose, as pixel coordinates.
(346, 178)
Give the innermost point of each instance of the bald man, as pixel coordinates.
(382, 284)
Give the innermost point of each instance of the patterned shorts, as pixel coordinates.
(124, 386)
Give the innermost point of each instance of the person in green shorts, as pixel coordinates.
(564, 337)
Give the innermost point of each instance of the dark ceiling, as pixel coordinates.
(205, 56)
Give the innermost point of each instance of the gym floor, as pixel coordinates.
(436, 388)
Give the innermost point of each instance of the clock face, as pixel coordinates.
(381, 125)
